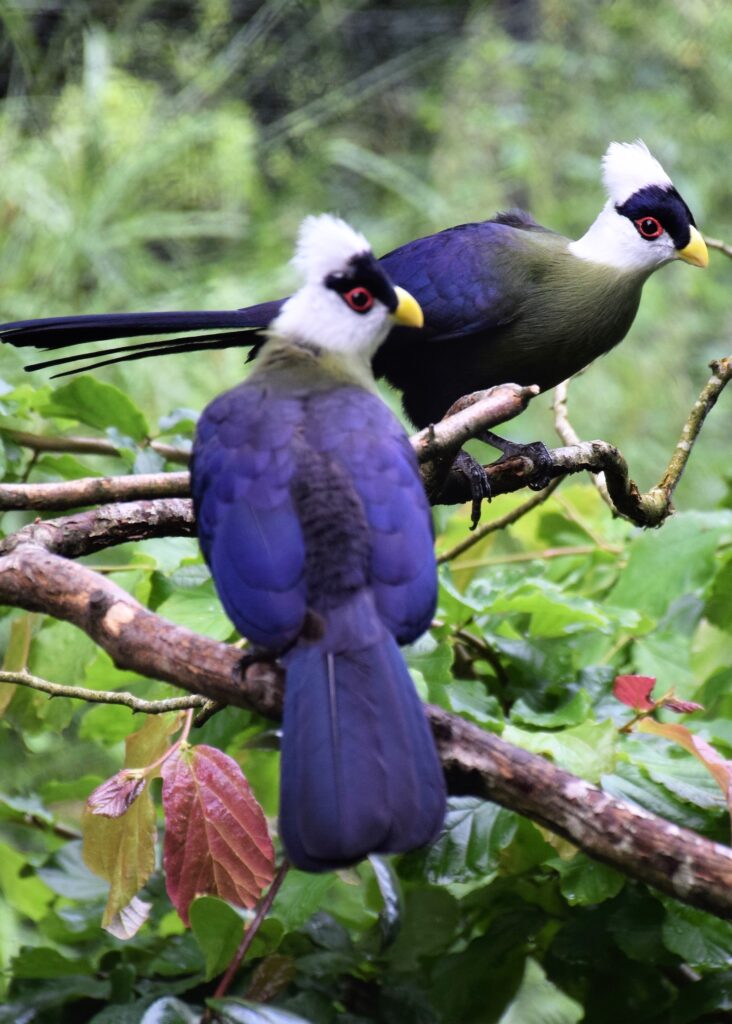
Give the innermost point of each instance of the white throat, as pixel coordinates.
(612, 240)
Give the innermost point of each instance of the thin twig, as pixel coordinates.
(717, 243)
(88, 445)
(569, 435)
(623, 495)
(499, 524)
(263, 909)
(127, 700)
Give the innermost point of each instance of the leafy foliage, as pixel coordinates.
(167, 166)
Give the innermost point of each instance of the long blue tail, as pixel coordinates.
(360, 772)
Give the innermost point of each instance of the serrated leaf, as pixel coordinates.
(700, 939)
(468, 848)
(216, 838)
(719, 767)
(652, 580)
(122, 850)
(552, 611)
(586, 750)
(99, 405)
(538, 1001)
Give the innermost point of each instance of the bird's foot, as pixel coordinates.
(254, 656)
(534, 450)
(480, 487)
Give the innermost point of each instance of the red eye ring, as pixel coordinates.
(359, 299)
(649, 227)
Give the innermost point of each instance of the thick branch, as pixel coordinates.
(674, 860)
(93, 490)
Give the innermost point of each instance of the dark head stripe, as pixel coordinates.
(364, 271)
(666, 205)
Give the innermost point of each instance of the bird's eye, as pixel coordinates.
(359, 299)
(649, 227)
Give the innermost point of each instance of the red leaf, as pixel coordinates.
(635, 691)
(216, 838)
(116, 795)
(683, 707)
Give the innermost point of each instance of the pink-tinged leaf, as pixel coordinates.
(683, 707)
(116, 795)
(715, 764)
(216, 838)
(127, 922)
(635, 691)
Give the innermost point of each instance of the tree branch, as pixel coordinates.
(86, 445)
(616, 487)
(641, 845)
(128, 700)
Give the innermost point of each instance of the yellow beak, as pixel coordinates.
(408, 311)
(696, 251)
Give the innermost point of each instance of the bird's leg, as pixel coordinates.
(478, 481)
(535, 450)
(313, 628)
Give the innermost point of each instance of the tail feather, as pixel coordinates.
(56, 332)
(360, 772)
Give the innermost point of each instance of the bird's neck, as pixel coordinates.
(295, 363)
(611, 241)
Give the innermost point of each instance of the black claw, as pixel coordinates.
(480, 487)
(535, 450)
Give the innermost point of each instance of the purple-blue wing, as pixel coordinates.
(370, 443)
(248, 528)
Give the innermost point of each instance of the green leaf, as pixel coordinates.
(300, 895)
(469, 847)
(718, 608)
(652, 579)
(586, 882)
(701, 940)
(25, 892)
(586, 750)
(572, 711)
(218, 929)
(44, 962)
(538, 1001)
(199, 609)
(553, 612)
(99, 405)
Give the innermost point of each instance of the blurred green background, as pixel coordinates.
(160, 155)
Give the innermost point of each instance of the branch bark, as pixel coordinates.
(646, 847)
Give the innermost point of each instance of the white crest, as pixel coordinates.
(318, 314)
(325, 244)
(628, 167)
